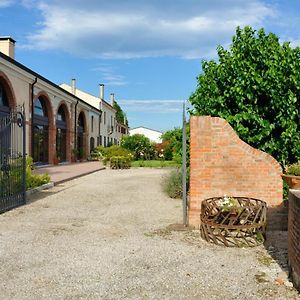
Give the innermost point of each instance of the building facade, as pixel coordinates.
(151, 134)
(62, 125)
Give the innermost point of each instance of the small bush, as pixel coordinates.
(293, 169)
(106, 153)
(119, 162)
(34, 180)
(172, 184)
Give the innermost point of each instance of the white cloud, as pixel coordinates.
(152, 106)
(135, 28)
(108, 75)
(6, 3)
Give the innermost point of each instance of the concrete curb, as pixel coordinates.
(45, 186)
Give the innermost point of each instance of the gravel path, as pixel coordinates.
(106, 236)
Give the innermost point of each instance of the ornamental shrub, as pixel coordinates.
(120, 162)
(34, 180)
(114, 150)
(255, 86)
(139, 145)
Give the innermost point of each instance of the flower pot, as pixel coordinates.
(292, 181)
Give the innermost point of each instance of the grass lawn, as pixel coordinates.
(154, 163)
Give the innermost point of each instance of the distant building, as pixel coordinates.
(152, 134)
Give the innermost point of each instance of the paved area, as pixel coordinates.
(65, 172)
(107, 236)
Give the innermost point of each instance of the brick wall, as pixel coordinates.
(294, 236)
(222, 164)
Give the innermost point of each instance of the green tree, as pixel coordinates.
(139, 145)
(255, 86)
(174, 139)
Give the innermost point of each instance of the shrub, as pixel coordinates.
(34, 180)
(293, 169)
(173, 140)
(105, 153)
(139, 145)
(172, 184)
(119, 162)
(163, 151)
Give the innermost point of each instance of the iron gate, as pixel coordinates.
(12, 160)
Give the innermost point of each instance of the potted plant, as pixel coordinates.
(292, 176)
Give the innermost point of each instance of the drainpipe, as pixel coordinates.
(32, 113)
(75, 126)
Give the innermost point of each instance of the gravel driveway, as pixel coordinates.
(106, 236)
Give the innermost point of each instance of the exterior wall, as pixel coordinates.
(108, 125)
(153, 135)
(18, 83)
(294, 236)
(222, 164)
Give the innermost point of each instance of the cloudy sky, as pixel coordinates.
(147, 52)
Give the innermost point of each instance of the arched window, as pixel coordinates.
(92, 123)
(41, 132)
(92, 144)
(3, 96)
(61, 116)
(80, 135)
(40, 108)
(4, 106)
(61, 134)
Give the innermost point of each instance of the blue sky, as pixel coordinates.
(148, 52)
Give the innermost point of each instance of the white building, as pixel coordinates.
(105, 129)
(151, 134)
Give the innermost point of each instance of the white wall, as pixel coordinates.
(153, 135)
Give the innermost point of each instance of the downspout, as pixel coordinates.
(32, 113)
(75, 127)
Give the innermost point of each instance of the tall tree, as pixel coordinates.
(255, 86)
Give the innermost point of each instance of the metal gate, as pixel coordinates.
(12, 160)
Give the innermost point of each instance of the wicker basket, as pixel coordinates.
(244, 226)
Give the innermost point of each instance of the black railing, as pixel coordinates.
(12, 161)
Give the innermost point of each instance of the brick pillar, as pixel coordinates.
(222, 164)
(294, 236)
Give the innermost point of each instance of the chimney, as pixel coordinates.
(101, 91)
(73, 86)
(7, 46)
(112, 99)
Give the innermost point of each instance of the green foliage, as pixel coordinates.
(255, 86)
(15, 177)
(107, 152)
(120, 115)
(139, 145)
(154, 164)
(174, 140)
(34, 180)
(119, 162)
(293, 169)
(172, 184)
